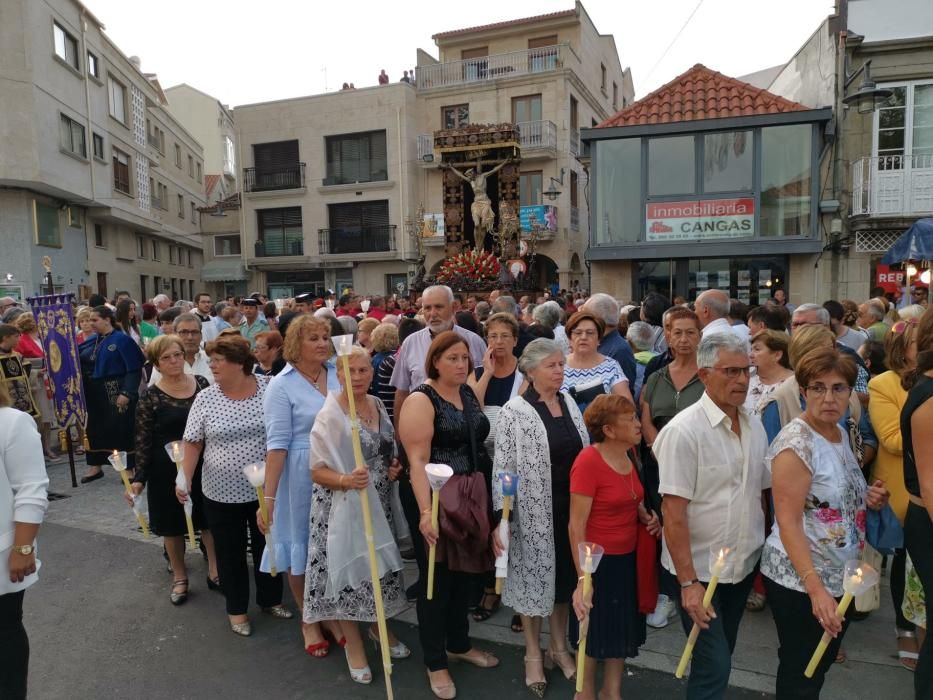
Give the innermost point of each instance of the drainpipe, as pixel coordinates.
(242, 216)
(401, 175)
(87, 104)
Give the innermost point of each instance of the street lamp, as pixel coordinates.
(869, 96)
(552, 193)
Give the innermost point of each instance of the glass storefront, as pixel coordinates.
(288, 284)
(751, 280)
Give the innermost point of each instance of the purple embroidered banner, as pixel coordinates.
(55, 317)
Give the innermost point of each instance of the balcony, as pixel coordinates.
(575, 149)
(359, 239)
(290, 177)
(503, 65)
(892, 186)
(279, 246)
(154, 141)
(538, 137)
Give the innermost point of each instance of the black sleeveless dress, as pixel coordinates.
(451, 442)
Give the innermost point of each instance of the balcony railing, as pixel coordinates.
(900, 185)
(358, 239)
(289, 177)
(503, 65)
(155, 203)
(575, 142)
(273, 246)
(539, 134)
(153, 140)
(425, 147)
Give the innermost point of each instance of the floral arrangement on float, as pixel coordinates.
(471, 264)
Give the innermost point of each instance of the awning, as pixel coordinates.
(223, 271)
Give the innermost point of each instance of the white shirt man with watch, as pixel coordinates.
(23, 502)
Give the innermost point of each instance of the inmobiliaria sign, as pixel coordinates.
(700, 219)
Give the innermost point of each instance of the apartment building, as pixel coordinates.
(211, 123)
(96, 174)
(332, 183)
(223, 273)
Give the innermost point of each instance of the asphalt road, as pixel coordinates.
(101, 626)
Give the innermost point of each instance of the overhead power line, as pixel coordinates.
(674, 40)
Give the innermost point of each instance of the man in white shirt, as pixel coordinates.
(712, 308)
(188, 328)
(712, 466)
(202, 310)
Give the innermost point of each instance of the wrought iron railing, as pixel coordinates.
(357, 239)
(288, 177)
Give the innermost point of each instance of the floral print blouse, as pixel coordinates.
(834, 511)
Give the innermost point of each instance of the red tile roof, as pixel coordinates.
(701, 93)
(508, 23)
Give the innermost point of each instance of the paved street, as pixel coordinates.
(101, 626)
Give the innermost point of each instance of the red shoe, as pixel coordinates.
(319, 649)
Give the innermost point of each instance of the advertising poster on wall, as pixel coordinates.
(744, 295)
(745, 278)
(764, 278)
(700, 219)
(702, 280)
(723, 279)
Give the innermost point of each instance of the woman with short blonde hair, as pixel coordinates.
(297, 331)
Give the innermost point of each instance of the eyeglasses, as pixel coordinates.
(733, 372)
(901, 326)
(583, 333)
(837, 389)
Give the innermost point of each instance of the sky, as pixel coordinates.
(243, 51)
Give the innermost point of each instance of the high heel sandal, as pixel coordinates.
(179, 598)
(363, 676)
(448, 691)
(279, 611)
(551, 659)
(481, 613)
(342, 642)
(537, 688)
(213, 584)
(396, 651)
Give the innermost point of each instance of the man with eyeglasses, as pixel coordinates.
(188, 328)
(711, 457)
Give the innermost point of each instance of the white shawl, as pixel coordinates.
(347, 552)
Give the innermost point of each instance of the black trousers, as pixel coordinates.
(798, 634)
(918, 537)
(413, 518)
(229, 523)
(14, 647)
(442, 622)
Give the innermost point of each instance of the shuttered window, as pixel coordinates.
(360, 227)
(542, 41)
(280, 231)
(121, 171)
(355, 158)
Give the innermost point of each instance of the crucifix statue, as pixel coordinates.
(481, 209)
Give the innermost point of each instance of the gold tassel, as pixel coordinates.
(87, 444)
(62, 441)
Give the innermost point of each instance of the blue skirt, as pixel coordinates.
(617, 629)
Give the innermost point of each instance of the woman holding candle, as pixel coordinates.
(916, 419)
(337, 581)
(111, 367)
(293, 400)
(540, 434)
(820, 498)
(587, 373)
(606, 507)
(442, 422)
(225, 423)
(161, 416)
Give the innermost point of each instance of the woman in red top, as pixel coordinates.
(606, 506)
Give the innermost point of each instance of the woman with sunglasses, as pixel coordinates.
(887, 395)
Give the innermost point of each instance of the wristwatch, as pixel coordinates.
(24, 549)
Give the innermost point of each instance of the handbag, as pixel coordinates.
(883, 530)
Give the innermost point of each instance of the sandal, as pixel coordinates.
(482, 660)
(536, 688)
(755, 602)
(516, 624)
(179, 598)
(554, 658)
(907, 658)
(481, 613)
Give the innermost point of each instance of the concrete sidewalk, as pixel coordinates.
(872, 669)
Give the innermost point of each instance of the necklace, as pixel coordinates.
(631, 474)
(314, 380)
(97, 344)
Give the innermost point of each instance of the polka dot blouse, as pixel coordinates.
(234, 435)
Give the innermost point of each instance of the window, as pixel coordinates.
(526, 109)
(72, 135)
(121, 171)
(141, 247)
(615, 95)
(66, 46)
(171, 255)
(163, 196)
(191, 264)
(76, 218)
(904, 127)
(786, 184)
(48, 225)
(190, 166)
(358, 227)
(226, 245)
(602, 77)
(156, 285)
(671, 166)
(156, 254)
(194, 214)
(98, 146)
(181, 207)
(117, 100)
(199, 172)
(177, 155)
(229, 157)
(93, 68)
(574, 186)
(280, 231)
(455, 117)
(620, 209)
(356, 158)
(542, 53)
(276, 167)
(99, 239)
(529, 188)
(727, 161)
(143, 286)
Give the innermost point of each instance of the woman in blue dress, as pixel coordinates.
(292, 402)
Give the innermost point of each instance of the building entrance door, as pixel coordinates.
(751, 280)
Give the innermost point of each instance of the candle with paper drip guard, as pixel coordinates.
(718, 563)
(509, 486)
(858, 577)
(176, 449)
(256, 475)
(589, 554)
(438, 475)
(364, 305)
(343, 344)
(118, 461)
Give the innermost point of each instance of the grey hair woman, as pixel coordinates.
(539, 435)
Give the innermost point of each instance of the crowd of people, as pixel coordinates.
(666, 431)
